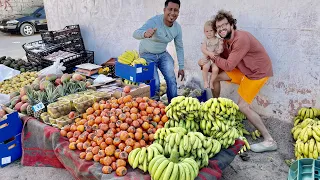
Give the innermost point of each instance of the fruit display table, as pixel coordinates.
(43, 146)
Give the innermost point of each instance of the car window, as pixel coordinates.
(29, 11)
(42, 12)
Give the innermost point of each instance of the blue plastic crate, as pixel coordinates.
(305, 169)
(10, 126)
(203, 97)
(137, 73)
(10, 150)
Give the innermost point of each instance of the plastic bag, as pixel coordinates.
(57, 68)
(101, 79)
(192, 83)
(4, 98)
(7, 72)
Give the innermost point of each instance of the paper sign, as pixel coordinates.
(38, 107)
(139, 70)
(6, 160)
(131, 78)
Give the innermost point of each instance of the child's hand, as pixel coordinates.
(212, 55)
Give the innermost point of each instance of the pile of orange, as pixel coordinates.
(109, 130)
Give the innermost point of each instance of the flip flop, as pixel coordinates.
(260, 147)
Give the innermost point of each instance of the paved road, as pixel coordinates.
(11, 44)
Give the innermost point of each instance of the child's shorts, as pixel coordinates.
(248, 88)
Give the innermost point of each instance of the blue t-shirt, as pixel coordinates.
(160, 39)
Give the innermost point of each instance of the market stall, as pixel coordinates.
(101, 121)
(43, 146)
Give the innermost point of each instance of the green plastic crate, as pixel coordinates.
(305, 169)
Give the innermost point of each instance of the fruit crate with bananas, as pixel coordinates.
(130, 66)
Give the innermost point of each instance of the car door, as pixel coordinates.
(40, 19)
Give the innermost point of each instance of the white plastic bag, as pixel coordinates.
(7, 72)
(57, 68)
(101, 79)
(4, 99)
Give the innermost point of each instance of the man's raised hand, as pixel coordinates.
(149, 33)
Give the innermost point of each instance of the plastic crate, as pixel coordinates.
(137, 73)
(69, 37)
(69, 62)
(10, 126)
(305, 169)
(10, 150)
(203, 97)
(40, 48)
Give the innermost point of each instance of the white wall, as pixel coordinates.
(13, 7)
(288, 29)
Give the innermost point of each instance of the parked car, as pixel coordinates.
(31, 20)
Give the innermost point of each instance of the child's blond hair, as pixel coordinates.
(208, 23)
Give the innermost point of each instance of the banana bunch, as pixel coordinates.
(141, 157)
(227, 139)
(188, 125)
(224, 131)
(240, 116)
(241, 129)
(307, 136)
(255, 134)
(128, 57)
(183, 108)
(308, 112)
(128, 82)
(219, 108)
(246, 145)
(211, 128)
(139, 61)
(161, 167)
(162, 133)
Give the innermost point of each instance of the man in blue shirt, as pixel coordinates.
(155, 35)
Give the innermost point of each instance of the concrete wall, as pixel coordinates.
(289, 30)
(12, 7)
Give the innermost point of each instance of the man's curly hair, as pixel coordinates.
(220, 16)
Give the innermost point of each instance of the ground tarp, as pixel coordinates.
(43, 146)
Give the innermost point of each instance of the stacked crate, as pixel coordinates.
(68, 39)
(10, 139)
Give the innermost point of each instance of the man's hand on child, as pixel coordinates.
(149, 33)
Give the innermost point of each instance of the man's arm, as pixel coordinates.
(239, 50)
(179, 48)
(139, 33)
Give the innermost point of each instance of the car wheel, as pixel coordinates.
(26, 29)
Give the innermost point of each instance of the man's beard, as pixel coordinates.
(228, 36)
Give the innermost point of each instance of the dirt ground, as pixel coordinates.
(261, 166)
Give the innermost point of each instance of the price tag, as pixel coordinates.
(6, 160)
(139, 70)
(131, 78)
(38, 107)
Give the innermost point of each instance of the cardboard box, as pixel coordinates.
(136, 91)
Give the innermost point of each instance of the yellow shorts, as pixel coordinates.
(248, 88)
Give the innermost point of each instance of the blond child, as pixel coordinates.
(211, 46)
